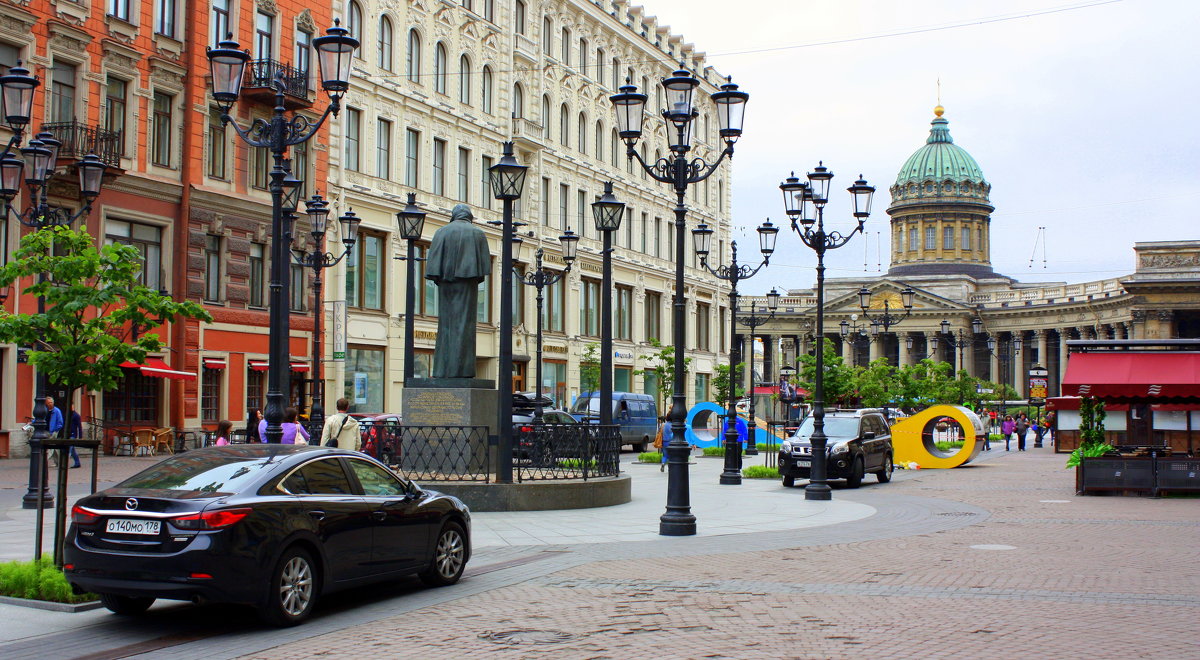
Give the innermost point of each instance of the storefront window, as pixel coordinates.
(364, 382)
(134, 399)
(554, 381)
(622, 379)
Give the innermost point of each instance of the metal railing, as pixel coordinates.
(263, 73)
(566, 451)
(432, 453)
(78, 140)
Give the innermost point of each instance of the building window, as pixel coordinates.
(383, 150)
(485, 184)
(134, 399)
(566, 47)
(427, 301)
(439, 167)
(489, 10)
(581, 211)
(119, 9)
(701, 392)
(518, 104)
(300, 167)
(354, 23)
(564, 193)
(581, 132)
(264, 36)
(703, 311)
(148, 240)
(966, 238)
(545, 202)
(931, 238)
(296, 289)
(164, 17)
(519, 18)
(485, 89)
(210, 395)
(385, 43)
(564, 125)
(483, 301)
(947, 238)
(546, 128)
(555, 306)
(623, 322)
(3, 240)
(212, 268)
(912, 238)
(216, 145)
(62, 92)
(160, 136)
(365, 378)
(220, 21)
(464, 80)
(441, 69)
(256, 279)
(304, 51)
(547, 36)
(260, 167)
(589, 307)
(412, 63)
(583, 56)
(364, 272)
(464, 175)
(353, 138)
(653, 316)
(412, 157)
(256, 391)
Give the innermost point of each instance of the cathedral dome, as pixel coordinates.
(940, 160)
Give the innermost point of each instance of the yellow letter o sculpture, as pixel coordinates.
(913, 438)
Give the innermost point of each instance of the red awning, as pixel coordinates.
(214, 363)
(1144, 376)
(155, 367)
(301, 366)
(258, 365)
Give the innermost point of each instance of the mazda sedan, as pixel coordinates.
(271, 526)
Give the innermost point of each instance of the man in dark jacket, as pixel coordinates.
(1022, 429)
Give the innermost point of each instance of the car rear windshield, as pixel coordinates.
(203, 472)
(835, 427)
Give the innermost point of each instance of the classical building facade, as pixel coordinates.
(940, 248)
(438, 87)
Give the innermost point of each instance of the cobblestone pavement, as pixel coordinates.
(1027, 569)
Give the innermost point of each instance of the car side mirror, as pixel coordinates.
(868, 435)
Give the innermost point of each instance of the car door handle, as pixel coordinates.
(379, 515)
(319, 515)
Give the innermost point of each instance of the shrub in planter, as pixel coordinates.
(760, 472)
(38, 580)
(650, 457)
(576, 463)
(714, 451)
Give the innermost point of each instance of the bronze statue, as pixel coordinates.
(458, 261)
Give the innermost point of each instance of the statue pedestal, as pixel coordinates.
(449, 402)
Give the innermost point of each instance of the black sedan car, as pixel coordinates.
(271, 526)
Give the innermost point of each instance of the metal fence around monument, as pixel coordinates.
(432, 453)
(543, 452)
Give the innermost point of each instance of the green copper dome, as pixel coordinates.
(940, 159)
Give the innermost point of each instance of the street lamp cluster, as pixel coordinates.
(40, 156)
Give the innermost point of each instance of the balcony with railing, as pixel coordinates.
(79, 139)
(262, 77)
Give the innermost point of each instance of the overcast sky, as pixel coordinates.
(1083, 116)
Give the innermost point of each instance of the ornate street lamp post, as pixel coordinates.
(540, 278)
(41, 155)
(752, 322)
(607, 212)
(959, 339)
(508, 182)
(887, 319)
(734, 273)
(227, 64)
(679, 172)
(1007, 351)
(318, 260)
(800, 200)
(412, 222)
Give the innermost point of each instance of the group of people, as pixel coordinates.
(1019, 426)
(340, 430)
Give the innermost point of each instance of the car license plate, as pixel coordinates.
(802, 461)
(128, 526)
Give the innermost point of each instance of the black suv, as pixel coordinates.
(858, 441)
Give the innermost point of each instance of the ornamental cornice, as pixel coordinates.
(158, 189)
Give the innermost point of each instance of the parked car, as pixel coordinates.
(271, 526)
(529, 446)
(635, 414)
(858, 442)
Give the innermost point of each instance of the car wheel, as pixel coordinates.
(126, 605)
(854, 480)
(641, 449)
(449, 557)
(788, 482)
(292, 589)
(885, 475)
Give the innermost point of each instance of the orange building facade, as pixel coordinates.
(128, 79)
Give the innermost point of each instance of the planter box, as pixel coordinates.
(70, 608)
(1140, 474)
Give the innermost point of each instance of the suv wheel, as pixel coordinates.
(854, 480)
(885, 475)
(789, 481)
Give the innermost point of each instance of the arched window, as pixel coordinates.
(615, 148)
(385, 43)
(564, 125)
(412, 65)
(581, 129)
(518, 101)
(354, 21)
(616, 74)
(599, 141)
(547, 36)
(489, 10)
(546, 118)
(519, 18)
(440, 69)
(485, 89)
(464, 80)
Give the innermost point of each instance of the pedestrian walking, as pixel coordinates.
(342, 430)
(1039, 430)
(252, 434)
(1022, 429)
(1006, 429)
(224, 428)
(75, 432)
(291, 430)
(1051, 432)
(660, 442)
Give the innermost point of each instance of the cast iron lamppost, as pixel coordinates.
(227, 64)
(680, 172)
(930, 349)
(412, 222)
(800, 200)
(508, 181)
(17, 89)
(540, 278)
(1007, 351)
(734, 273)
(959, 339)
(887, 319)
(753, 321)
(318, 260)
(607, 212)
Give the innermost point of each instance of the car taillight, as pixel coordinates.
(526, 429)
(82, 516)
(210, 519)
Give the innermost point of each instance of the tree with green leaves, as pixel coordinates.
(589, 367)
(839, 379)
(721, 382)
(94, 303)
(877, 384)
(661, 367)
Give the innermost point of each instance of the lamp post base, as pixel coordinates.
(677, 526)
(818, 492)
